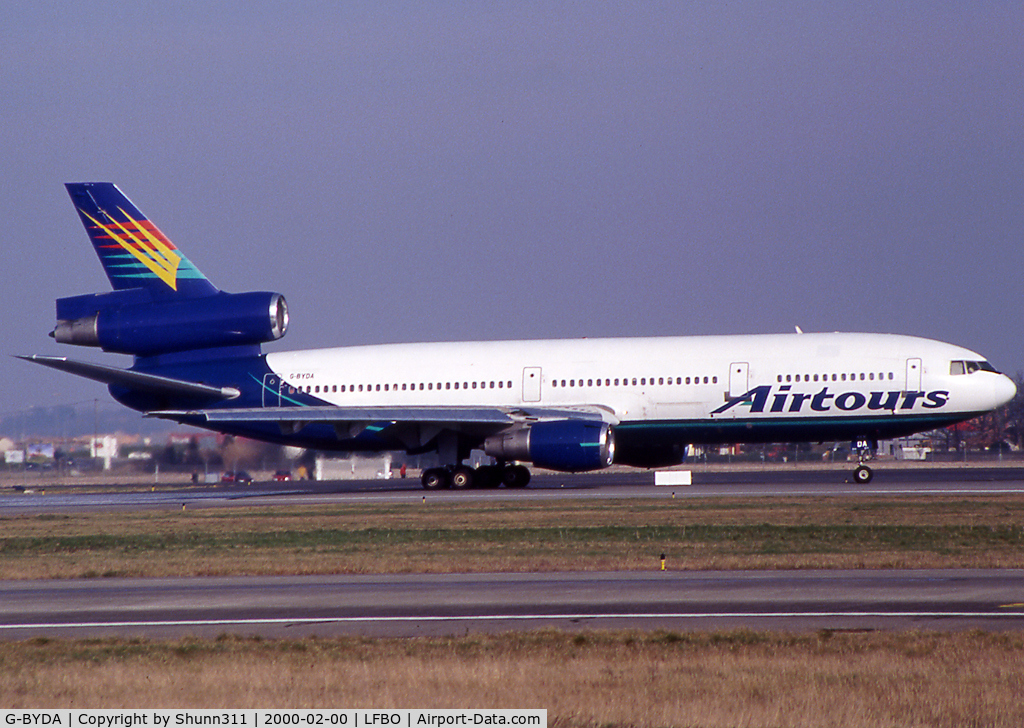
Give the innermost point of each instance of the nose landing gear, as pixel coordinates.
(862, 474)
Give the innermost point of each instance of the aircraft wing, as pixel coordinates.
(415, 425)
(133, 380)
(435, 415)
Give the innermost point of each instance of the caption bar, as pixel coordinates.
(366, 718)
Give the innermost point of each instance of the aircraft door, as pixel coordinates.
(531, 384)
(913, 375)
(739, 378)
(271, 390)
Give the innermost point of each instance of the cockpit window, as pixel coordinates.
(970, 367)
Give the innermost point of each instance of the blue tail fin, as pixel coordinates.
(133, 251)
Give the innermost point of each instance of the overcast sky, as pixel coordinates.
(442, 170)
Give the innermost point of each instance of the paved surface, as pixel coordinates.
(746, 483)
(459, 603)
(398, 605)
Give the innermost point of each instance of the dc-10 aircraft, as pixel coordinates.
(565, 405)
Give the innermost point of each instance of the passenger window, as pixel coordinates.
(590, 382)
(643, 381)
(499, 384)
(616, 382)
(448, 385)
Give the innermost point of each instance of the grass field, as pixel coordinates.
(473, 536)
(594, 679)
(737, 678)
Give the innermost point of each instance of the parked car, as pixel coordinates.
(283, 475)
(236, 476)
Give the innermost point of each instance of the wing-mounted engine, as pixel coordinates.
(131, 321)
(565, 445)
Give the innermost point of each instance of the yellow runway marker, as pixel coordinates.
(1011, 606)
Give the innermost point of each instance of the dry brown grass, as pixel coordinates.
(591, 679)
(723, 533)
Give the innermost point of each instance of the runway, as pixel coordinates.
(446, 604)
(454, 604)
(772, 482)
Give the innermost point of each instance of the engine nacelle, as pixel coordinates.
(127, 323)
(567, 445)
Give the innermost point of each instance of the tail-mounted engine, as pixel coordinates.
(131, 322)
(565, 445)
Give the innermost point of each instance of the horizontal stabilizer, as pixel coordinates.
(134, 380)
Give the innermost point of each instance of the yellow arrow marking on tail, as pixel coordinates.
(151, 252)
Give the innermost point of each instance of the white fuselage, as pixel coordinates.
(657, 379)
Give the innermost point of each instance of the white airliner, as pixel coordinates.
(566, 405)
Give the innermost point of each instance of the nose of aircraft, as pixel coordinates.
(1004, 390)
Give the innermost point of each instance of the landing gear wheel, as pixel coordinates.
(516, 476)
(435, 479)
(462, 478)
(862, 475)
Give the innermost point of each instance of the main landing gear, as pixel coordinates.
(463, 477)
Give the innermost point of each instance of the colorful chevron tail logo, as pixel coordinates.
(148, 246)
